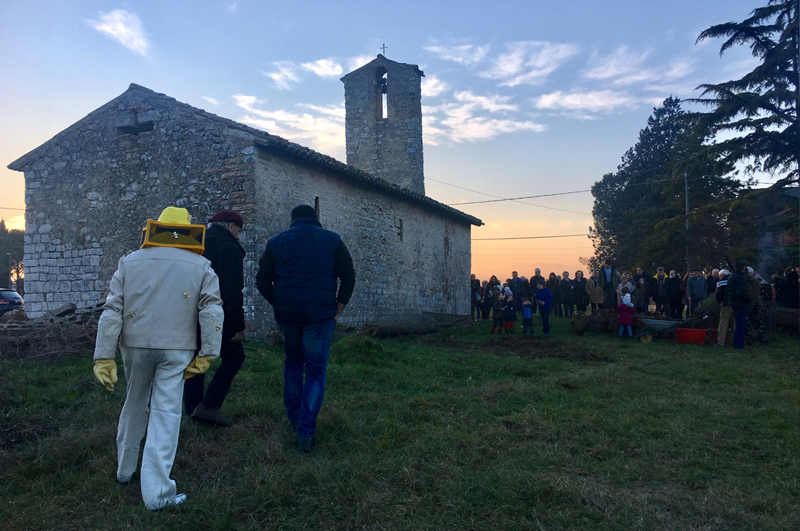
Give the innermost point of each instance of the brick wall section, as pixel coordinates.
(391, 148)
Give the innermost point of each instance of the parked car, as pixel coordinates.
(10, 301)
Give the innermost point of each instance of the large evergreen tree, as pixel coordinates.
(639, 211)
(762, 106)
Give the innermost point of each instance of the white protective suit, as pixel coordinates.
(157, 297)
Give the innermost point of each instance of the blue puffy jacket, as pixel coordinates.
(299, 271)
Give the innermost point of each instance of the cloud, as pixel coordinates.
(528, 62)
(466, 54)
(358, 61)
(622, 64)
(124, 27)
(322, 128)
(232, 7)
(16, 222)
(678, 69)
(324, 67)
(432, 86)
(212, 101)
(466, 119)
(284, 75)
(590, 101)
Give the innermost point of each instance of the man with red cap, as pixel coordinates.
(223, 250)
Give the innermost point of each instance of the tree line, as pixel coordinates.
(640, 211)
(12, 245)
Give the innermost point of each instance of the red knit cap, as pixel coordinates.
(230, 216)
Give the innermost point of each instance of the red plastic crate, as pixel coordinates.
(690, 335)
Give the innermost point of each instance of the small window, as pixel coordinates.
(400, 229)
(316, 206)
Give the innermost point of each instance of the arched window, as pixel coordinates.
(382, 80)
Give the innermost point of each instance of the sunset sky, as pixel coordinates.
(520, 99)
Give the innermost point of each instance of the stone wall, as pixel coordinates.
(89, 197)
(389, 148)
(408, 260)
(91, 188)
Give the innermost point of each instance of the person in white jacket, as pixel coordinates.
(158, 296)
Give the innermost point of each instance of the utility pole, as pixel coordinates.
(686, 193)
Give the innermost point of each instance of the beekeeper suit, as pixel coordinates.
(157, 297)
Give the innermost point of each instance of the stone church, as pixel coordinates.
(89, 190)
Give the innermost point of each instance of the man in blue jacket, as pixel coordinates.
(298, 275)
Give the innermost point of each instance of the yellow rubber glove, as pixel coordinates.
(106, 372)
(199, 365)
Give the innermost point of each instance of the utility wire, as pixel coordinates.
(497, 196)
(548, 195)
(517, 198)
(529, 237)
(10, 208)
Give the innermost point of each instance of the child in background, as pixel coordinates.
(497, 312)
(527, 316)
(625, 311)
(511, 314)
(544, 299)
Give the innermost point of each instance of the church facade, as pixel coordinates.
(91, 187)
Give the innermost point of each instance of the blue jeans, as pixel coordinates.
(527, 324)
(306, 348)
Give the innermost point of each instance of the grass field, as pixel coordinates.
(455, 430)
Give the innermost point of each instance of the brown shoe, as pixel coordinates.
(211, 415)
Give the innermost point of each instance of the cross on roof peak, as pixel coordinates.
(383, 48)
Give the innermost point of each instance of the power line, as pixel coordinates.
(551, 195)
(10, 208)
(517, 198)
(529, 237)
(497, 196)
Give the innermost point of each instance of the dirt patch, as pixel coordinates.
(527, 347)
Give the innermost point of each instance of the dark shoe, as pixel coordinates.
(211, 415)
(718, 345)
(304, 445)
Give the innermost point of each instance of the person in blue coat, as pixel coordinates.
(306, 273)
(544, 299)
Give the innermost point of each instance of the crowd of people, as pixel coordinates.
(670, 294)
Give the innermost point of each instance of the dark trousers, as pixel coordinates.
(527, 324)
(568, 308)
(232, 356)
(676, 309)
(741, 326)
(609, 296)
(545, 320)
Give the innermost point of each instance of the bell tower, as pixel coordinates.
(383, 121)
